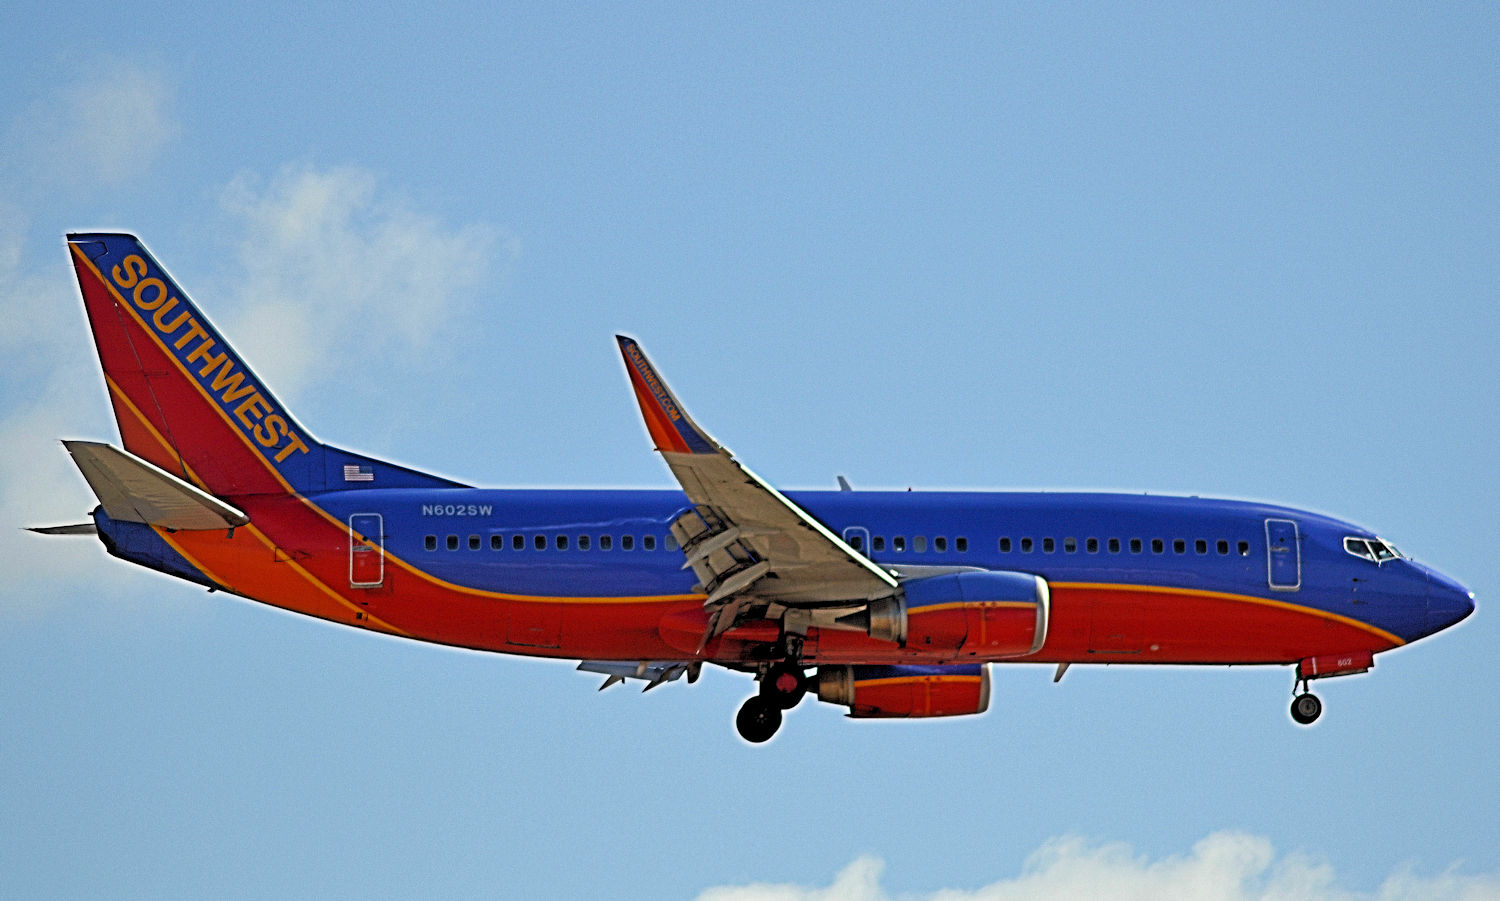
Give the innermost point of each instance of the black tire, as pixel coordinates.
(1306, 708)
(758, 720)
(784, 685)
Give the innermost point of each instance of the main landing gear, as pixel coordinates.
(782, 686)
(1305, 705)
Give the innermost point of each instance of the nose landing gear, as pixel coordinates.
(782, 687)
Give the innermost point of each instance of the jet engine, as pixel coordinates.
(906, 691)
(978, 614)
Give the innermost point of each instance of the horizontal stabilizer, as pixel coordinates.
(81, 528)
(133, 490)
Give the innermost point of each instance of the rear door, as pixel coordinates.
(1283, 555)
(366, 551)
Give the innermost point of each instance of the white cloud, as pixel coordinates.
(332, 268)
(107, 127)
(1225, 866)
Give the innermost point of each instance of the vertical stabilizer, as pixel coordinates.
(183, 399)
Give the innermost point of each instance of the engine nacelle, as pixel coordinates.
(985, 614)
(906, 691)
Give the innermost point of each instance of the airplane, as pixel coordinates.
(889, 604)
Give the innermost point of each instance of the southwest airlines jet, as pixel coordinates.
(891, 604)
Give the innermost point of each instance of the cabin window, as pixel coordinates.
(606, 542)
(1200, 546)
(627, 542)
(1049, 545)
(1158, 546)
(496, 542)
(1135, 546)
(1005, 545)
(1026, 545)
(648, 542)
(898, 544)
(583, 542)
(1244, 548)
(940, 544)
(430, 542)
(857, 541)
(452, 542)
(1070, 545)
(1093, 545)
(919, 544)
(539, 542)
(878, 543)
(473, 542)
(1114, 545)
(1222, 547)
(1179, 546)
(669, 542)
(961, 544)
(518, 542)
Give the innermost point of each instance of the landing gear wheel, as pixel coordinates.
(758, 720)
(783, 685)
(1306, 708)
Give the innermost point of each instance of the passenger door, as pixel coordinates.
(1283, 555)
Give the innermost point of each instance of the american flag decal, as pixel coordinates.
(356, 473)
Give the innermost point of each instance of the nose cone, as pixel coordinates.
(1447, 602)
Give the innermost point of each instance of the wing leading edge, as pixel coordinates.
(749, 545)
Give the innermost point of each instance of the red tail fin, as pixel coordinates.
(183, 398)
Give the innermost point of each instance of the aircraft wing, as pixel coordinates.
(748, 543)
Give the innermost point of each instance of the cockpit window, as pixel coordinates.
(1373, 549)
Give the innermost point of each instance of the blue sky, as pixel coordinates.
(1235, 250)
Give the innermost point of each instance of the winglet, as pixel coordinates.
(671, 428)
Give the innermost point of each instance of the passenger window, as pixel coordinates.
(1093, 545)
(583, 542)
(540, 542)
(940, 544)
(961, 544)
(1200, 546)
(1070, 545)
(1114, 545)
(606, 542)
(1135, 546)
(648, 542)
(1049, 545)
(1222, 547)
(670, 542)
(518, 542)
(430, 542)
(878, 543)
(1025, 545)
(452, 542)
(627, 542)
(1179, 546)
(1244, 548)
(919, 544)
(1158, 546)
(1005, 545)
(898, 544)
(473, 542)
(496, 542)
(857, 541)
